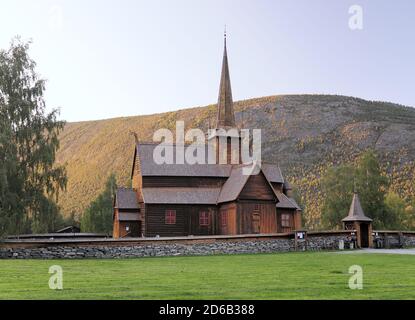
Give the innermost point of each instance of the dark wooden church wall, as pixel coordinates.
(229, 210)
(187, 220)
(291, 213)
(155, 221)
(257, 217)
(194, 223)
(116, 225)
(257, 188)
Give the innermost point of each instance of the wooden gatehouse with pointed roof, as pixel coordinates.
(204, 199)
(356, 220)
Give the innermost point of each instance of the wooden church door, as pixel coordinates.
(256, 222)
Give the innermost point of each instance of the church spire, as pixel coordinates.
(225, 116)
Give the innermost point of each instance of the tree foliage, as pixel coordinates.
(366, 178)
(98, 216)
(396, 207)
(372, 187)
(29, 179)
(337, 185)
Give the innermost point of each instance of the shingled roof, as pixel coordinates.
(126, 198)
(150, 168)
(272, 172)
(286, 202)
(129, 216)
(181, 195)
(233, 186)
(356, 212)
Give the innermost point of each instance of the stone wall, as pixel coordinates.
(409, 240)
(178, 247)
(394, 239)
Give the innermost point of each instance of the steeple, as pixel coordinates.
(356, 212)
(225, 116)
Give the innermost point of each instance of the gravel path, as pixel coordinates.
(392, 251)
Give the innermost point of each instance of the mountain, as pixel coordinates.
(304, 134)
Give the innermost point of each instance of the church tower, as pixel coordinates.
(226, 136)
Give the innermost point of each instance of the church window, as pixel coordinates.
(170, 217)
(203, 218)
(286, 220)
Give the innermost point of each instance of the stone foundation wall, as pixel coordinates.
(184, 247)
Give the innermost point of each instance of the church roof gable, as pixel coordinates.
(236, 183)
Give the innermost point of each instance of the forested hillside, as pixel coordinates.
(304, 134)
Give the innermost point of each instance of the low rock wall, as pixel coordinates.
(177, 247)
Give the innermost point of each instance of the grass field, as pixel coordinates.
(265, 276)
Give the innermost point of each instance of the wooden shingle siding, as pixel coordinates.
(257, 188)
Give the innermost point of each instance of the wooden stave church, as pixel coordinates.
(171, 200)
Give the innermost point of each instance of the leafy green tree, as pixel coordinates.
(366, 178)
(408, 220)
(29, 179)
(337, 185)
(396, 207)
(98, 216)
(372, 187)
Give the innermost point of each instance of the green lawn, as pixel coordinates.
(265, 276)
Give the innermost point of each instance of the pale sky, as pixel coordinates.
(106, 59)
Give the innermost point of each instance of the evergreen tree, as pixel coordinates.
(29, 180)
(98, 216)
